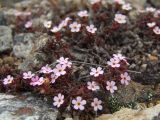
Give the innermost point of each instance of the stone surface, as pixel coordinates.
(35, 58)
(5, 38)
(129, 114)
(25, 107)
(23, 44)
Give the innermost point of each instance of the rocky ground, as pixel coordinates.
(19, 51)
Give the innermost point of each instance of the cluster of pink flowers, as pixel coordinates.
(28, 24)
(83, 13)
(156, 29)
(60, 69)
(8, 80)
(37, 81)
(125, 6)
(95, 1)
(55, 29)
(121, 2)
(115, 61)
(96, 71)
(78, 103)
(119, 18)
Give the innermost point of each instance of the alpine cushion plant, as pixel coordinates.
(57, 81)
(58, 78)
(148, 24)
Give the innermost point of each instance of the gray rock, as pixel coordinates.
(25, 107)
(5, 38)
(23, 44)
(36, 58)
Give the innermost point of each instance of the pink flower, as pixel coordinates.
(125, 78)
(92, 86)
(78, 103)
(91, 29)
(28, 24)
(96, 72)
(53, 78)
(152, 24)
(47, 24)
(111, 86)
(46, 69)
(18, 13)
(56, 29)
(83, 13)
(157, 13)
(120, 57)
(75, 27)
(96, 104)
(64, 61)
(8, 80)
(127, 6)
(37, 81)
(59, 70)
(156, 30)
(64, 22)
(28, 75)
(121, 2)
(94, 1)
(114, 62)
(121, 19)
(58, 100)
(150, 9)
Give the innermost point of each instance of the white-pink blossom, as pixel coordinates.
(46, 69)
(127, 7)
(96, 104)
(58, 100)
(64, 22)
(150, 9)
(8, 80)
(111, 86)
(75, 27)
(28, 24)
(119, 18)
(152, 24)
(28, 75)
(94, 1)
(78, 103)
(53, 78)
(56, 29)
(119, 56)
(114, 62)
(92, 86)
(96, 71)
(156, 30)
(157, 13)
(121, 2)
(59, 70)
(125, 78)
(47, 24)
(83, 13)
(37, 81)
(92, 29)
(64, 61)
